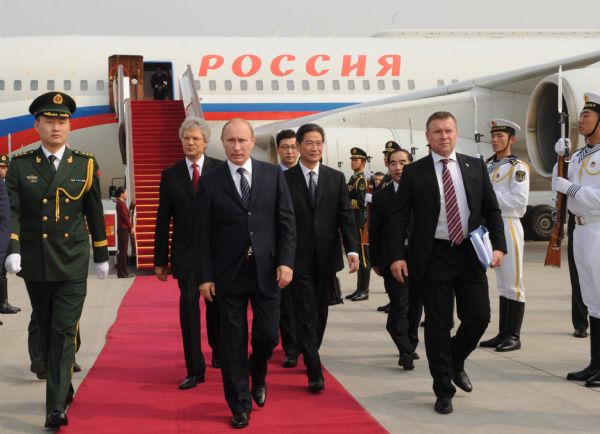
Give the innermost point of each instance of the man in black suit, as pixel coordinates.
(247, 239)
(450, 195)
(405, 300)
(178, 190)
(323, 212)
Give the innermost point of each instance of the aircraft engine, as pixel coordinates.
(543, 128)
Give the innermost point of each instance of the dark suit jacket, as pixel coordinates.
(226, 229)
(177, 202)
(332, 215)
(419, 192)
(382, 206)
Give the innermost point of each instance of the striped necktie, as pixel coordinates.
(244, 187)
(455, 231)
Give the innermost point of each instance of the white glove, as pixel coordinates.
(561, 185)
(13, 263)
(368, 198)
(102, 270)
(561, 146)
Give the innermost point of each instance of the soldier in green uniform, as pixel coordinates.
(54, 191)
(358, 189)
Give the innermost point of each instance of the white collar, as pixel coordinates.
(306, 170)
(438, 157)
(58, 154)
(200, 162)
(247, 166)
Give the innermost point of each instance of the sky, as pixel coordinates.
(342, 18)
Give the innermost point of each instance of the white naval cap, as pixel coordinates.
(592, 101)
(503, 126)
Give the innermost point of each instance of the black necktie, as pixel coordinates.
(244, 187)
(312, 187)
(52, 159)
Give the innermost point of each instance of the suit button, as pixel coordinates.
(251, 233)
(67, 217)
(249, 212)
(45, 218)
(44, 236)
(44, 200)
(66, 235)
(67, 200)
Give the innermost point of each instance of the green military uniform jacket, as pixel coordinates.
(357, 190)
(47, 215)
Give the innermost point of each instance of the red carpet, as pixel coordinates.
(132, 387)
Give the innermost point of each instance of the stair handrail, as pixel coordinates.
(189, 94)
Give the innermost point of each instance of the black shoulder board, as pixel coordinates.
(23, 154)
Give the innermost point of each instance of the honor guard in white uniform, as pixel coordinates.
(510, 179)
(583, 190)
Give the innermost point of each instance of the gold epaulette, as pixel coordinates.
(23, 154)
(83, 154)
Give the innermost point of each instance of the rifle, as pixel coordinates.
(559, 214)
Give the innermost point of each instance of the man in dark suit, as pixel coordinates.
(450, 195)
(178, 191)
(405, 300)
(246, 243)
(323, 211)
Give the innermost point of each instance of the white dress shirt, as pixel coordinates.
(395, 186)
(236, 176)
(189, 163)
(306, 171)
(441, 231)
(58, 154)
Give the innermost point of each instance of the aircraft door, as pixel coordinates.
(133, 67)
(159, 80)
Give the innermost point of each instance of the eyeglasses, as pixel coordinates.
(288, 147)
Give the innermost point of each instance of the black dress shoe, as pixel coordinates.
(76, 367)
(240, 420)
(415, 356)
(7, 308)
(191, 381)
(510, 343)
(56, 419)
(584, 374)
(461, 379)
(593, 381)
(580, 333)
(351, 296)
(216, 363)
(316, 386)
(383, 308)
(360, 296)
(259, 394)
(494, 342)
(290, 362)
(443, 405)
(406, 361)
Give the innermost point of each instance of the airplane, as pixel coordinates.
(363, 91)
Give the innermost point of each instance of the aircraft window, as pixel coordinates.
(380, 84)
(259, 85)
(351, 85)
(33, 85)
(1, 84)
(366, 85)
(67, 84)
(274, 85)
(197, 84)
(396, 84)
(440, 82)
(83, 85)
(244, 84)
(17, 85)
(336, 85)
(290, 84)
(411, 84)
(305, 85)
(228, 85)
(320, 85)
(50, 85)
(212, 85)
(99, 84)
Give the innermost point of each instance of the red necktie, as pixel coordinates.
(195, 176)
(455, 231)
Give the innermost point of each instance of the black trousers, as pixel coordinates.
(287, 324)
(579, 312)
(57, 308)
(236, 367)
(406, 307)
(311, 293)
(123, 240)
(189, 319)
(453, 272)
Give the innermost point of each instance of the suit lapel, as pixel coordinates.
(184, 176)
(42, 165)
(64, 168)
(257, 179)
(431, 177)
(300, 182)
(228, 185)
(321, 185)
(466, 173)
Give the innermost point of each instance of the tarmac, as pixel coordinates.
(523, 391)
